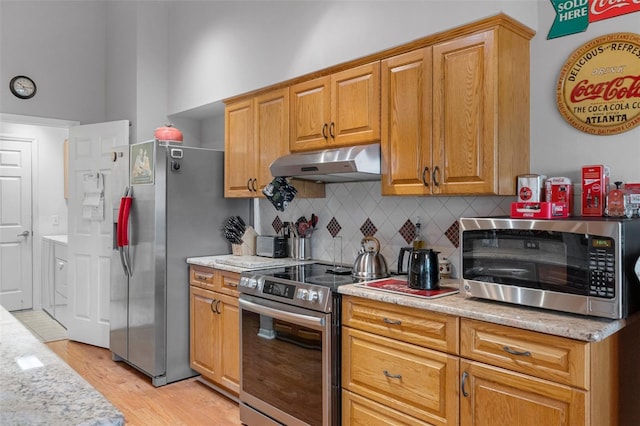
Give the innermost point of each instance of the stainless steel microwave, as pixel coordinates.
(577, 265)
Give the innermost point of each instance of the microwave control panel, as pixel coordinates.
(602, 264)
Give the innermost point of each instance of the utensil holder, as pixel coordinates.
(301, 248)
(248, 246)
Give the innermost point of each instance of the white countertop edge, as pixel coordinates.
(577, 327)
(62, 239)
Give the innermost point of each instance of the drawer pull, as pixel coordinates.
(464, 380)
(512, 352)
(214, 306)
(203, 277)
(394, 322)
(392, 376)
(234, 285)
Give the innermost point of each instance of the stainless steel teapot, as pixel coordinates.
(370, 264)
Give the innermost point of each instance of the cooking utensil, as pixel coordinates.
(424, 272)
(370, 264)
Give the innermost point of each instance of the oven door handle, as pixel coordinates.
(300, 319)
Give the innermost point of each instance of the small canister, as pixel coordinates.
(531, 188)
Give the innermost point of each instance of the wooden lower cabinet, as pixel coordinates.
(394, 380)
(214, 331)
(470, 372)
(493, 396)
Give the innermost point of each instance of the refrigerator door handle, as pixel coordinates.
(122, 230)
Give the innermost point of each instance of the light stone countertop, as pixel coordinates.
(577, 327)
(62, 239)
(239, 264)
(45, 390)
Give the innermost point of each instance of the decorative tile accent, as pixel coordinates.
(333, 227)
(368, 229)
(277, 224)
(453, 234)
(408, 231)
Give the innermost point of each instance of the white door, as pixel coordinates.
(16, 250)
(90, 230)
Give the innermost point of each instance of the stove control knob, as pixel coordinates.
(309, 295)
(248, 282)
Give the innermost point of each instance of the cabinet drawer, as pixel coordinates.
(540, 355)
(412, 325)
(228, 283)
(201, 276)
(357, 410)
(60, 251)
(417, 381)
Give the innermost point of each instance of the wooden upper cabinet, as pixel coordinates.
(256, 133)
(340, 109)
(240, 164)
(271, 132)
(455, 116)
(406, 123)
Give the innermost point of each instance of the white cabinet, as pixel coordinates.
(54, 277)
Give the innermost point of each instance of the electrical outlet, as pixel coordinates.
(55, 220)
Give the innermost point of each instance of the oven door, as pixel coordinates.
(285, 368)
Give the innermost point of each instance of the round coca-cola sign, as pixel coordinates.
(599, 86)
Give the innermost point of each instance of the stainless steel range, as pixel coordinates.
(290, 345)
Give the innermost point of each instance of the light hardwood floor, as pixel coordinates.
(187, 402)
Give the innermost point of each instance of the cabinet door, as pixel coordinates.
(229, 343)
(310, 114)
(355, 106)
(492, 396)
(406, 124)
(271, 132)
(240, 153)
(204, 332)
(464, 111)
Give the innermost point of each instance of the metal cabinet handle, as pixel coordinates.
(513, 352)
(253, 185)
(462, 383)
(249, 184)
(217, 307)
(331, 130)
(203, 277)
(394, 322)
(213, 306)
(61, 265)
(436, 172)
(392, 376)
(324, 131)
(231, 284)
(425, 171)
(23, 234)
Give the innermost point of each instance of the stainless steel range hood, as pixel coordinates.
(349, 164)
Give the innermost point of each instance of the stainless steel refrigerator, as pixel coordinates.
(168, 205)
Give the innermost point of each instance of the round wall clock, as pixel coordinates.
(23, 87)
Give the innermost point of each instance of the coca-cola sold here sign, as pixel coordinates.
(598, 89)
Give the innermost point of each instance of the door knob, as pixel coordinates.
(24, 234)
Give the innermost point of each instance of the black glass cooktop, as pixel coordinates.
(319, 274)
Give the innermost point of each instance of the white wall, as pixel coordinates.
(222, 49)
(61, 45)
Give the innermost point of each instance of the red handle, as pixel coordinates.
(124, 234)
(119, 223)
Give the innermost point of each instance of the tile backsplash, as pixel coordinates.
(353, 210)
